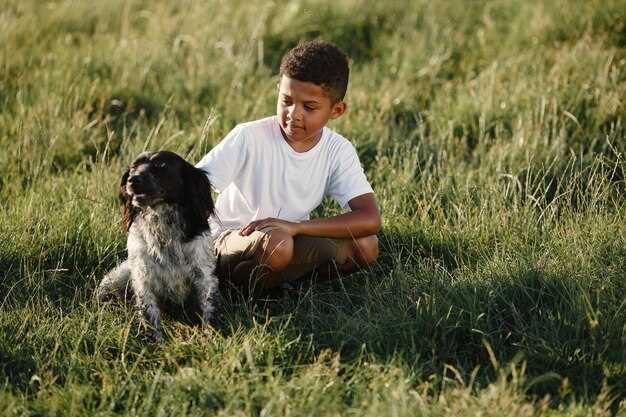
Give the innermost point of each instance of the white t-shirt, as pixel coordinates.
(258, 175)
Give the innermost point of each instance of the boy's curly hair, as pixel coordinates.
(321, 63)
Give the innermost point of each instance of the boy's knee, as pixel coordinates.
(360, 253)
(277, 250)
(367, 250)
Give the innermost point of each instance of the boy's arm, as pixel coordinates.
(363, 220)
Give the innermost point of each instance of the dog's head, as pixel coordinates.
(165, 178)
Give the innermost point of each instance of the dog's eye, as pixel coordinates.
(159, 165)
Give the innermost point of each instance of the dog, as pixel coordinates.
(171, 261)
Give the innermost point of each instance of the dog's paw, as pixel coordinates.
(124, 294)
(158, 338)
(212, 320)
(107, 295)
(103, 295)
(154, 337)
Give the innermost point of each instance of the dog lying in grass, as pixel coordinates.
(167, 202)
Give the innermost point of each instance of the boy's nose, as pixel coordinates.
(295, 113)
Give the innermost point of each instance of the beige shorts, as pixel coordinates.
(308, 252)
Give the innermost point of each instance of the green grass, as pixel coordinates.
(493, 134)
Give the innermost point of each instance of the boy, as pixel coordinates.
(271, 173)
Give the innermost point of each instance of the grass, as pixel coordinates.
(492, 132)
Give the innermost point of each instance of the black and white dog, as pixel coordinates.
(167, 202)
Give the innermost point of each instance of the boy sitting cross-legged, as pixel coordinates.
(271, 173)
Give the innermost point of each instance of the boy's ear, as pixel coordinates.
(338, 109)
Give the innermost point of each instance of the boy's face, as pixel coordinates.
(303, 109)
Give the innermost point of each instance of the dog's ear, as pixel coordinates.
(122, 193)
(198, 204)
(128, 210)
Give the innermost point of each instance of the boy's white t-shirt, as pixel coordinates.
(258, 175)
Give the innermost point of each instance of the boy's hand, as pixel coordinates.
(288, 227)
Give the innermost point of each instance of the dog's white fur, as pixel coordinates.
(162, 266)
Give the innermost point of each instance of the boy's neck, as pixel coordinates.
(304, 146)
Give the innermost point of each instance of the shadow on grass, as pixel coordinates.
(413, 308)
(17, 365)
(416, 305)
(62, 274)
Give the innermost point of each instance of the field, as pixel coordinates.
(493, 135)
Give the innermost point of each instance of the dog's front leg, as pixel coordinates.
(116, 283)
(148, 308)
(206, 288)
(150, 313)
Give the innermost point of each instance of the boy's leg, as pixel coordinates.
(254, 260)
(356, 254)
(331, 258)
(265, 258)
